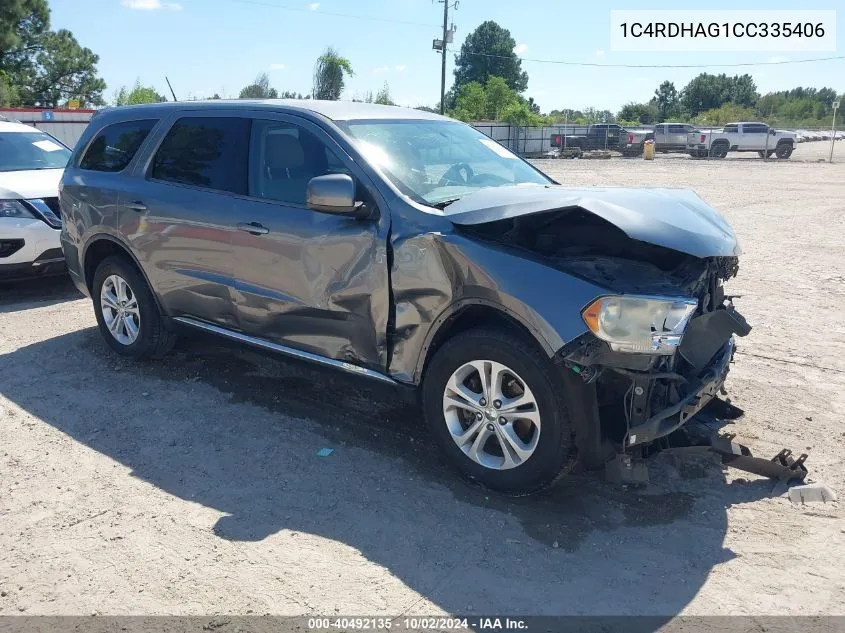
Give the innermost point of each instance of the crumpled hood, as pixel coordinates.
(672, 218)
(25, 185)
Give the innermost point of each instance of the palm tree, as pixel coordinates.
(328, 75)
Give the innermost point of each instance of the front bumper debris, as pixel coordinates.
(782, 466)
(670, 419)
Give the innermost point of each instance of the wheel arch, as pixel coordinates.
(470, 313)
(103, 245)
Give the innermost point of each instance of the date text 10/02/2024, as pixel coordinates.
(417, 624)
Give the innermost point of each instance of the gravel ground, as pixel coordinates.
(193, 486)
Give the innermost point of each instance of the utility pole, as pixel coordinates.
(833, 130)
(440, 45)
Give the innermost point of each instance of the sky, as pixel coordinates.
(219, 46)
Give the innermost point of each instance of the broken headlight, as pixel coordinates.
(645, 325)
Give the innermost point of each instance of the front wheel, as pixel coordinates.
(784, 151)
(719, 150)
(494, 406)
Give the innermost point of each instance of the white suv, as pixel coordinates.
(31, 165)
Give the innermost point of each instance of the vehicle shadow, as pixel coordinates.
(239, 432)
(47, 291)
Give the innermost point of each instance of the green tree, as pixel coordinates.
(667, 100)
(329, 73)
(708, 92)
(138, 94)
(259, 89)
(59, 71)
(22, 22)
(743, 91)
(519, 113)
(641, 113)
(497, 97)
(726, 113)
(470, 102)
(8, 93)
(488, 52)
(383, 96)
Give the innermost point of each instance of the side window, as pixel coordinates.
(731, 129)
(115, 145)
(755, 128)
(209, 152)
(284, 157)
(678, 129)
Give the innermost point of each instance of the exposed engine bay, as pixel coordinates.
(639, 397)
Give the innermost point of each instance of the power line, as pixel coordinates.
(600, 65)
(350, 16)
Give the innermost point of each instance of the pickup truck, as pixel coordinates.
(741, 137)
(671, 137)
(596, 136)
(610, 136)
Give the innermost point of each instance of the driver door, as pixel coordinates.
(308, 280)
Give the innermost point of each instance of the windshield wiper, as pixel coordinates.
(445, 203)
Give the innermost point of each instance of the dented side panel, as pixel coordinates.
(438, 272)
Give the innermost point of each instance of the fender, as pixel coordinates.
(454, 308)
(117, 240)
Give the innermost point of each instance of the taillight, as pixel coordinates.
(702, 138)
(631, 138)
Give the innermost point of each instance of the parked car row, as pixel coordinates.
(802, 136)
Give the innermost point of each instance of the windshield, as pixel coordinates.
(21, 151)
(436, 162)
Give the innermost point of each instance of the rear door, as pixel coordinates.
(178, 214)
(677, 137)
(308, 280)
(753, 136)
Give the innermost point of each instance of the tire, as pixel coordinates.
(553, 449)
(152, 339)
(719, 150)
(784, 151)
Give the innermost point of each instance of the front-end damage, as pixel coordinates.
(645, 272)
(640, 395)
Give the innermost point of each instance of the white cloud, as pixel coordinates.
(519, 49)
(151, 5)
(380, 70)
(400, 68)
(599, 53)
(314, 6)
(277, 66)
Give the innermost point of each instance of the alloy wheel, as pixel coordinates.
(491, 414)
(120, 310)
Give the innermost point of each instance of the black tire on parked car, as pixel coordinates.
(126, 311)
(476, 433)
(784, 150)
(719, 150)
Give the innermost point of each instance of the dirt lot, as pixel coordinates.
(193, 486)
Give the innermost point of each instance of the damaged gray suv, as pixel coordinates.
(542, 326)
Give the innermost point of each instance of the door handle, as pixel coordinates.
(136, 205)
(253, 228)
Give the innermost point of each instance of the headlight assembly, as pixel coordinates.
(15, 209)
(646, 325)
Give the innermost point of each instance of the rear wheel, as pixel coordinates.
(494, 406)
(126, 311)
(719, 150)
(784, 150)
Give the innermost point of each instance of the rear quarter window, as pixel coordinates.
(115, 145)
(731, 129)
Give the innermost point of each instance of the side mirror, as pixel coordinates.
(773, 131)
(335, 194)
